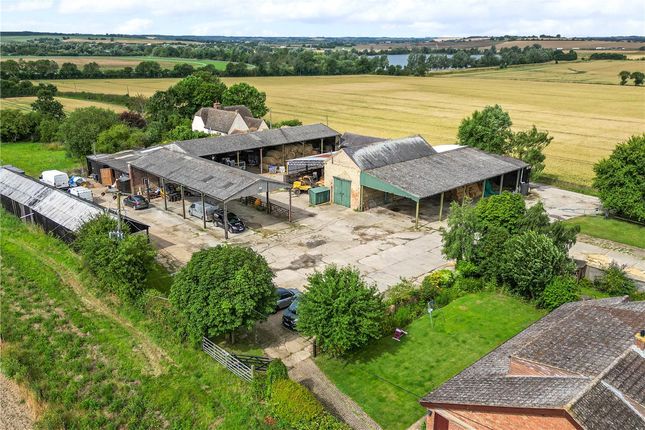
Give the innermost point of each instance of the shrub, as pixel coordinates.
(615, 282)
(276, 370)
(561, 290)
(402, 293)
(448, 295)
(340, 309)
(434, 283)
(505, 210)
(466, 269)
(293, 404)
(221, 289)
(531, 260)
(468, 285)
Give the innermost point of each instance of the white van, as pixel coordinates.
(196, 210)
(55, 178)
(82, 192)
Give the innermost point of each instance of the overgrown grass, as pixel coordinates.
(388, 378)
(33, 158)
(611, 229)
(88, 367)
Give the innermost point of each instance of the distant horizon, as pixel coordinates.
(332, 18)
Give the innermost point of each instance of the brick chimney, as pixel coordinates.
(217, 105)
(640, 340)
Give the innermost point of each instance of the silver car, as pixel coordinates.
(196, 210)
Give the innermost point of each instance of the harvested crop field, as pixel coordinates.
(24, 103)
(586, 119)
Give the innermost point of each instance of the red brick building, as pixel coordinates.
(580, 367)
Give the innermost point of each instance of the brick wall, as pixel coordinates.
(137, 181)
(488, 420)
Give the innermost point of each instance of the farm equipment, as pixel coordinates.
(304, 184)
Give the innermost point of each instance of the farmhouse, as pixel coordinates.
(227, 120)
(580, 367)
(56, 211)
(362, 175)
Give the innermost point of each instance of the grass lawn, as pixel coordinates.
(611, 229)
(97, 364)
(33, 158)
(469, 327)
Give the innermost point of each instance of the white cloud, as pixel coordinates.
(25, 5)
(134, 26)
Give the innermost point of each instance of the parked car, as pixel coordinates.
(290, 316)
(55, 178)
(137, 202)
(82, 192)
(235, 225)
(197, 210)
(286, 296)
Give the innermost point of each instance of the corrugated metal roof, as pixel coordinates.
(57, 205)
(436, 173)
(379, 154)
(216, 180)
(258, 139)
(117, 161)
(351, 139)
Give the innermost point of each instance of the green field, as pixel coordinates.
(611, 229)
(92, 363)
(34, 158)
(121, 62)
(586, 120)
(24, 103)
(388, 378)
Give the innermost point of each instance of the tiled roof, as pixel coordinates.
(588, 338)
(217, 119)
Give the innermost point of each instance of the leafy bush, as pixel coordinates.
(466, 269)
(221, 289)
(620, 178)
(293, 404)
(80, 130)
(504, 210)
(468, 285)
(615, 282)
(531, 260)
(434, 283)
(561, 290)
(276, 370)
(402, 293)
(340, 309)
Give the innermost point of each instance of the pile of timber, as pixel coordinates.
(275, 157)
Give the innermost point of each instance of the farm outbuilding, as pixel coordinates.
(365, 175)
(210, 180)
(56, 211)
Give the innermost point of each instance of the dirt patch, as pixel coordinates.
(314, 243)
(19, 407)
(305, 261)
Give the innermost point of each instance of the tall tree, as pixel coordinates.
(488, 129)
(247, 95)
(624, 75)
(529, 146)
(638, 77)
(47, 106)
(82, 127)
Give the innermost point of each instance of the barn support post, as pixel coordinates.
(501, 184)
(441, 207)
(183, 202)
(284, 157)
(261, 170)
(416, 221)
(268, 201)
(361, 206)
(203, 210)
(225, 222)
(163, 191)
(303, 148)
(289, 204)
(322, 146)
(517, 181)
(237, 158)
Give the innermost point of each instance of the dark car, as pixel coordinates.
(290, 316)
(136, 202)
(235, 225)
(286, 296)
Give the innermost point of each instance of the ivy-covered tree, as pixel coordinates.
(340, 309)
(247, 95)
(620, 179)
(222, 289)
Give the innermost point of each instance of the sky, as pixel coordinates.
(387, 18)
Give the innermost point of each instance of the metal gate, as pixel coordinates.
(342, 192)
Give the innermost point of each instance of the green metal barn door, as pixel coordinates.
(342, 192)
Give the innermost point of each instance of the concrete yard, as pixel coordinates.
(381, 242)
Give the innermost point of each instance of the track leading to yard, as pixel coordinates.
(154, 355)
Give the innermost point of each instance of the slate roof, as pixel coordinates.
(351, 139)
(117, 161)
(216, 180)
(241, 109)
(438, 172)
(252, 123)
(59, 206)
(388, 152)
(217, 119)
(569, 338)
(258, 139)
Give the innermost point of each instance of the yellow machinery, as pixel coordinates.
(304, 184)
